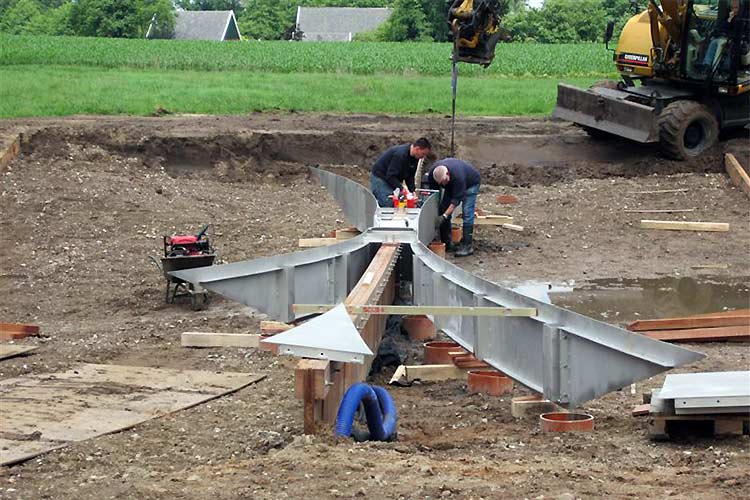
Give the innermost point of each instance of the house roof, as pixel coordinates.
(205, 25)
(337, 23)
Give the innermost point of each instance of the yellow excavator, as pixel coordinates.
(684, 76)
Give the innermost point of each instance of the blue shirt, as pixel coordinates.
(396, 165)
(463, 175)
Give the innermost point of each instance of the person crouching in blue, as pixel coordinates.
(460, 183)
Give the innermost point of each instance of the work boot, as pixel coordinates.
(466, 247)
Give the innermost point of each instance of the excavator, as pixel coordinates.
(684, 70)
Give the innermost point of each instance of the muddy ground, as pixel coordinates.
(90, 198)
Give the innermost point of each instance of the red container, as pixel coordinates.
(457, 233)
(438, 247)
(489, 382)
(566, 422)
(419, 328)
(438, 353)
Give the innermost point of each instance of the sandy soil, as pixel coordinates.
(90, 198)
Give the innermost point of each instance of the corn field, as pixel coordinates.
(512, 60)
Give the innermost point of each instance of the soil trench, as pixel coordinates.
(89, 199)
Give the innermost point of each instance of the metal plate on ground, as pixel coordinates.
(710, 392)
(44, 412)
(10, 350)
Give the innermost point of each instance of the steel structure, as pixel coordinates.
(568, 357)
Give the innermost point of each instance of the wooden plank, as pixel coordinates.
(488, 220)
(737, 173)
(44, 412)
(316, 242)
(207, 339)
(347, 233)
(684, 226)
(308, 380)
(641, 410)
(15, 331)
(662, 191)
(732, 333)
(10, 350)
(273, 327)
(689, 322)
(735, 312)
(513, 227)
(527, 312)
(434, 372)
(710, 266)
(660, 211)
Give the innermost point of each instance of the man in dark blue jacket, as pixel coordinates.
(395, 167)
(460, 183)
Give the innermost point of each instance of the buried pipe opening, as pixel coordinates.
(439, 352)
(566, 422)
(489, 382)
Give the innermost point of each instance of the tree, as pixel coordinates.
(559, 21)
(18, 16)
(121, 18)
(235, 5)
(408, 22)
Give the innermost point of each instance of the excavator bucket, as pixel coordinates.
(476, 30)
(607, 110)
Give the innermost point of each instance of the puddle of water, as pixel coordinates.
(620, 301)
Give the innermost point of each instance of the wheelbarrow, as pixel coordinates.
(177, 287)
(185, 252)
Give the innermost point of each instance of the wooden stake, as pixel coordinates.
(737, 173)
(308, 378)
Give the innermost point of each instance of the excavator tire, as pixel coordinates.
(595, 133)
(686, 129)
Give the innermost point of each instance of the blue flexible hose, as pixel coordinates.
(379, 410)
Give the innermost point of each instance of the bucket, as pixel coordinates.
(419, 328)
(489, 382)
(438, 353)
(438, 247)
(566, 422)
(457, 233)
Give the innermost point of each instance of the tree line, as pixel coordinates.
(557, 21)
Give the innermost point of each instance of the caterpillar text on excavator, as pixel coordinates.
(684, 76)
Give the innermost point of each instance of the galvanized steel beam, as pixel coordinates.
(568, 357)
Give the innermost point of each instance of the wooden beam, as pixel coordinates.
(488, 220)
(273, 327)
(735, 312)
(724, 333)
(662, 191)
(684, 226)
(737, 173)
(526, 312)
(316, 242)
(513, 227)
(14, 331)
(428, 373)
(207, 339)
(323, 398)
(688, 322)
(347, 233)
(321, 369)
(660, 211)
(10, 350)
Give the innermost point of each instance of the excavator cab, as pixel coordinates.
(717, 43)
(476, 30)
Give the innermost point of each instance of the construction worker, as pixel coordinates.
(395, 167)
(460, 183)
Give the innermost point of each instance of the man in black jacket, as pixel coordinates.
(396, 166)
(460, 183)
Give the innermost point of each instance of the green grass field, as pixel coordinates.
(57, 76)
